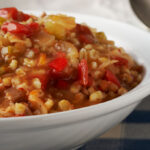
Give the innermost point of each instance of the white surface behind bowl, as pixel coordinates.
(69, 129)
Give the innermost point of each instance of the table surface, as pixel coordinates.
(134, 132)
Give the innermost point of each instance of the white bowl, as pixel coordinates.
(70, 129)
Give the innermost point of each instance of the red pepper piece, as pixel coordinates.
(59, 64)
(84, 34)
(13, 13)
(82, 29)
(10, 12)
(22, 17)
(33, 26)
(83, 72)
(111, 77)
(121, 61)
(25, 17)
(62, 84)
(85, 38)
(15, 28)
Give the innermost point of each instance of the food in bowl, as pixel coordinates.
(51, 63)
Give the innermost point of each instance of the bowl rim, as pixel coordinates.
(143, 89)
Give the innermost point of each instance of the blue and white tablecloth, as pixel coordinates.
(131, 134)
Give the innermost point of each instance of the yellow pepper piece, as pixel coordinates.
(59, 24)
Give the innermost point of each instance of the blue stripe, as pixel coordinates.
(112, 144)
(138, 117)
